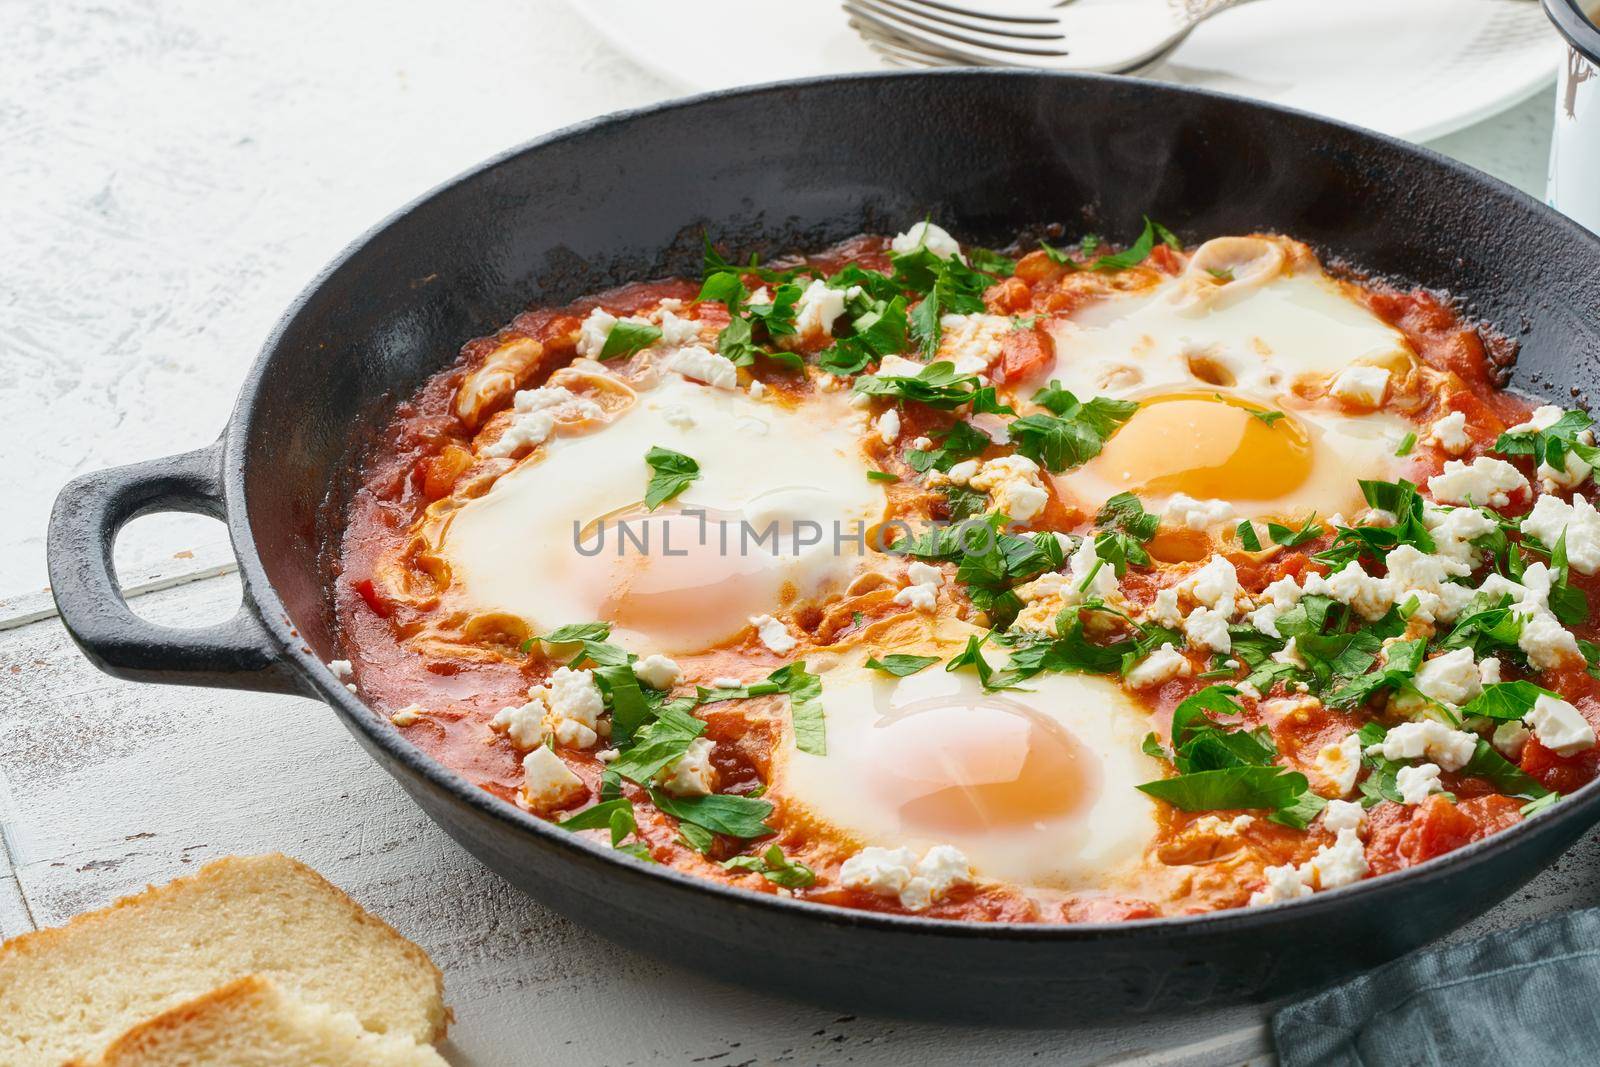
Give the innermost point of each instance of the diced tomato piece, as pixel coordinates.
(439, 473)
(1036, 266)
(1024, 353)
(1560, 773)
(1403, 836)
(1010, 297)
(1164, 259)
(376, 601)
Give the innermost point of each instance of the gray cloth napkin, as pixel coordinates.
(1529, 997)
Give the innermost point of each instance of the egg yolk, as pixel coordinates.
(1208, 446)
(669, 577)
(954, 764)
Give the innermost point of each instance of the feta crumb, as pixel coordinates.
(923, 591)
(1508, 739)
(897, 872)
(566, 709)
(1450, 748)
(1342, 863)
(1573, 473)
(1489, 671)
(758, 389)
(1542, 419)
(926, 235)
(547, 782)
(1206, 628)
(1450, 433)
(1454, 530)
(1164, 608)
(922, 444)
(1551, 515)
(676, 331)
(1361, 386)
(691, 774)
(1547, 643)
(898, 367)
(1216, 585)
(1343, 815)
(1184, 510)
(1417, 783)
(773, 633)
(593, 332)
(1283, 883)
(1339, 763)
(818, 308)
(608, 755)
(704, 365)
(1559, 726)
(1451, 678)
(889, 426)
(1485, 482)
(972, 342)
(1371, 597)
(342, 669)
(726, 682)
(1013, 485)
(1160, 666)
(657, 671)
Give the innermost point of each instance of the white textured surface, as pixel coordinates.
(171, 174)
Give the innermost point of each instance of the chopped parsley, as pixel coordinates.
(1073, 433)
(626, 338)
(901, 665)
(1407, 443)
(1248, 536)
(775, 867)
(936, 385)
(673, 473)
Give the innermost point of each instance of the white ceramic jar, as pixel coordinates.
(1574, 186)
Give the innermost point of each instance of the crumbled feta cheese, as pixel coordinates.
(536, 413)
(593, 333)
(818, 308)
(1290, 654)
(927, 235)
(1339, 763)
(1451, 678)
(1184, 510)
(1361, 386)
(1509, 737)
(1371, 597)
(1283, 883)
(1416, 783)
(889, 426)
(704, 365)
(1454, 530)
(608, 755)
(1572, 473)
(1206, 628)
(342, 669)
(1559, 726)
(1343, 815)
(1086, 562)
(972, 342)
(922, 593)
(657, 671)
(899, 367)
(1547, 643)
(547, 782)
(1160, 666)
(1489, 671)
(961, 473)
(1013, 485)
(1551, 515)
(566, 708)
(1542, 419)
(1216, 585)
(522, 723)
(922, 444)
(1450, 433)
(691, 774)
(1164, 608)
(773, 633)
(676, 331)
(1485, 482)
(758, 389)
(1342, 863)
(726, 682)
(897, 872)
(1449, 748)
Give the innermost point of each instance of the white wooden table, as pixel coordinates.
(171, 173)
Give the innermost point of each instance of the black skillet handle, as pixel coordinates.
(88, 513)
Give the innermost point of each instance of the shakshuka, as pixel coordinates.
(1067, 583)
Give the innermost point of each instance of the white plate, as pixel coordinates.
(1413, 68)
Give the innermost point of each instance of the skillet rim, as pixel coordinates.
(269, 607)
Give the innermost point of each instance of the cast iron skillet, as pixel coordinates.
(799, 165)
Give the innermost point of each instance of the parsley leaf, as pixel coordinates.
(613, 815)
(1125, 512)
(1309, 530)
(961, 441)
(805, 706)
(1248, 537)
(936, 385)
(775, 867)
(901, 665)
(1552, 444)
(721, 813)
(626, 338)
(1407, 443)
(674, 472)
(991, 262)
(1073, 433)
(1505, 700)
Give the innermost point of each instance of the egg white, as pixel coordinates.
(516, 548)
(892, 743)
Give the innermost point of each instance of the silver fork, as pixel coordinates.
(1101, 36)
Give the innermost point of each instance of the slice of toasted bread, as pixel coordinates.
(252, 1023)
(71, 990)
